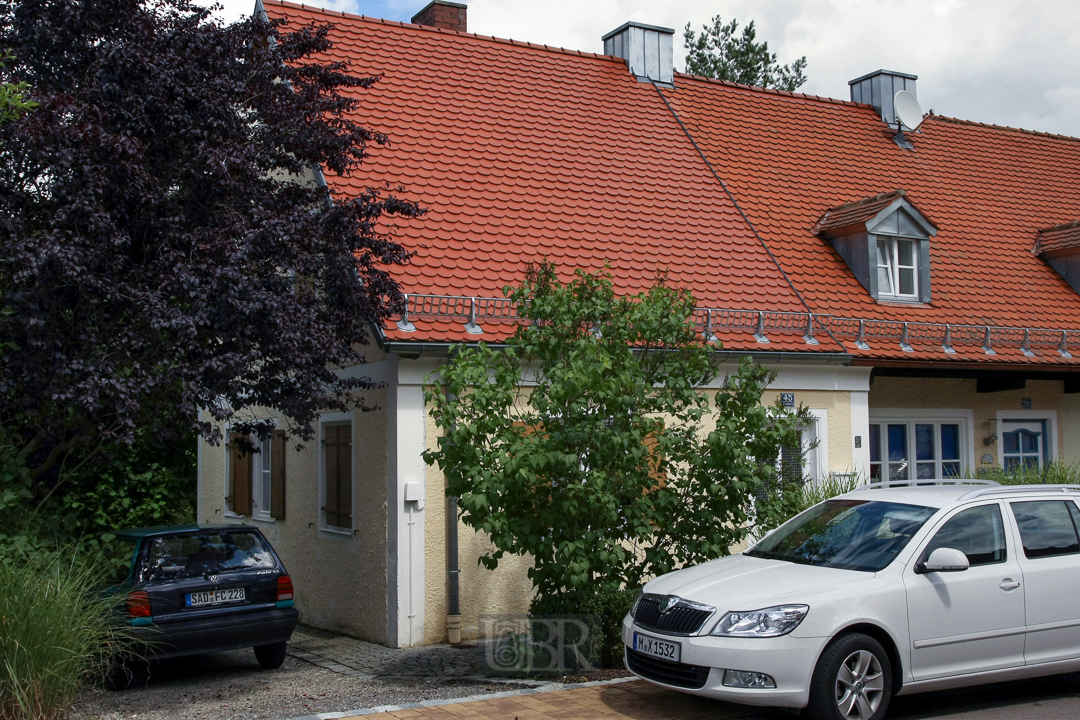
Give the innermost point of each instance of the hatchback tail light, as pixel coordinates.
(284, 588)
(138, 604)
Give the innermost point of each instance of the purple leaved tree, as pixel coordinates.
(160, 251)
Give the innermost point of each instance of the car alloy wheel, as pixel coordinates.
(860, 686)
(852, 680)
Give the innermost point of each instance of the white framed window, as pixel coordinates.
(261, 486)
(809, 461)
(897, 268)
(914, 445)
(336, 473)
(255, 482)
(1026, 438)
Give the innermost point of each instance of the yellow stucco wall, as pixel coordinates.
(950, 393)
(1070, 428)
(837, 404)
(340, 581)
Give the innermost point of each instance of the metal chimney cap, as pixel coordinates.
(643, 26)
(909, 76)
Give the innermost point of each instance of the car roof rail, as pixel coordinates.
(1018, 490)
(919, 483)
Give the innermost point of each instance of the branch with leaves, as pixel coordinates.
(607, 461)
(721, 53)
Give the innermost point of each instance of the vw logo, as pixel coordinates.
(213, 579)
(669, 602)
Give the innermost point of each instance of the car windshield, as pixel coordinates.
(184, 556)
(847, 534)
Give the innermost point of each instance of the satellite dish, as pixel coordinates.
(907, 110)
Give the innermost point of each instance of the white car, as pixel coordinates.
(882, 591)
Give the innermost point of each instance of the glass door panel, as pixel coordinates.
(898, 452)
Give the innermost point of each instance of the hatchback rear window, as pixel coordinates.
(184, 556)
(847, 534)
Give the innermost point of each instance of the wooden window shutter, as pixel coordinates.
(240, 472)
(338, 450)
(277, 475)
(656, 471)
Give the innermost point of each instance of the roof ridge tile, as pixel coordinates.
(773, 91)
(1008, 128)
(429, 28)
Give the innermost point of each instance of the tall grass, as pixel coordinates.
(57, 633)
(1055, 473)
(813, 492)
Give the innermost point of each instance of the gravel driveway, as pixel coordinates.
(230, 686)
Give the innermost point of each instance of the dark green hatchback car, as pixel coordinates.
(198, 589)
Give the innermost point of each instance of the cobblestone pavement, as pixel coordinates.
(364, 660)
(1051, 698)
(610, 701)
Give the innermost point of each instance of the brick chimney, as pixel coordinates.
(442, 14)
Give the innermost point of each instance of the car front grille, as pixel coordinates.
(677, 621)
(691, 677)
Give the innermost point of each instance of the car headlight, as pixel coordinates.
(633, 608)
(769, 622)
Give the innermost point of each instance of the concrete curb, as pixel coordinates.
(544, 688)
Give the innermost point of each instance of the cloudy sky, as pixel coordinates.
(1009, 62)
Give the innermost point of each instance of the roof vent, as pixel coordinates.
(647, 50)
(443, 14)
(879, 88)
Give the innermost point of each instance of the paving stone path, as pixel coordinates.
(611, 700)
(365, 660)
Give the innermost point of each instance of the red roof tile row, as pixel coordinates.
(523, 152)
(988, 190)
(1060, 237)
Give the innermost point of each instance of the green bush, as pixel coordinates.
(146, 484)
(610, 605)
(1055, 473)
(58, 632)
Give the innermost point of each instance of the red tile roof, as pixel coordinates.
(523, 152)
(988, 189)
(1060, 237)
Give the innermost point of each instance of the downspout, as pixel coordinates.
(453, 571)
(453, 574)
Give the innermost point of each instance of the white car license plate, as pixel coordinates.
(215, 597)
(672, 652)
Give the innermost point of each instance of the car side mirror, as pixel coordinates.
(944, 560)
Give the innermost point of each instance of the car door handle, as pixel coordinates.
(1009, 584)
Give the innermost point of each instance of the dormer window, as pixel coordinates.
(885, 241)
(898, 268)
(1060, 247)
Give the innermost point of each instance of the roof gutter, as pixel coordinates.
(988, 365)
(443, 349)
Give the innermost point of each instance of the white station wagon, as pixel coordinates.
(882, 591)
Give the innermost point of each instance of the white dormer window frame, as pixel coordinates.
(898, 264)
(886, 247)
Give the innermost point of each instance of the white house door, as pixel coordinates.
(1023, 444)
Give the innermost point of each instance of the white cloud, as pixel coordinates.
(996, 61)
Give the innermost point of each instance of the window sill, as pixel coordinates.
(900, 302)
(264, 519)
(342, 532)
(232, 518)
